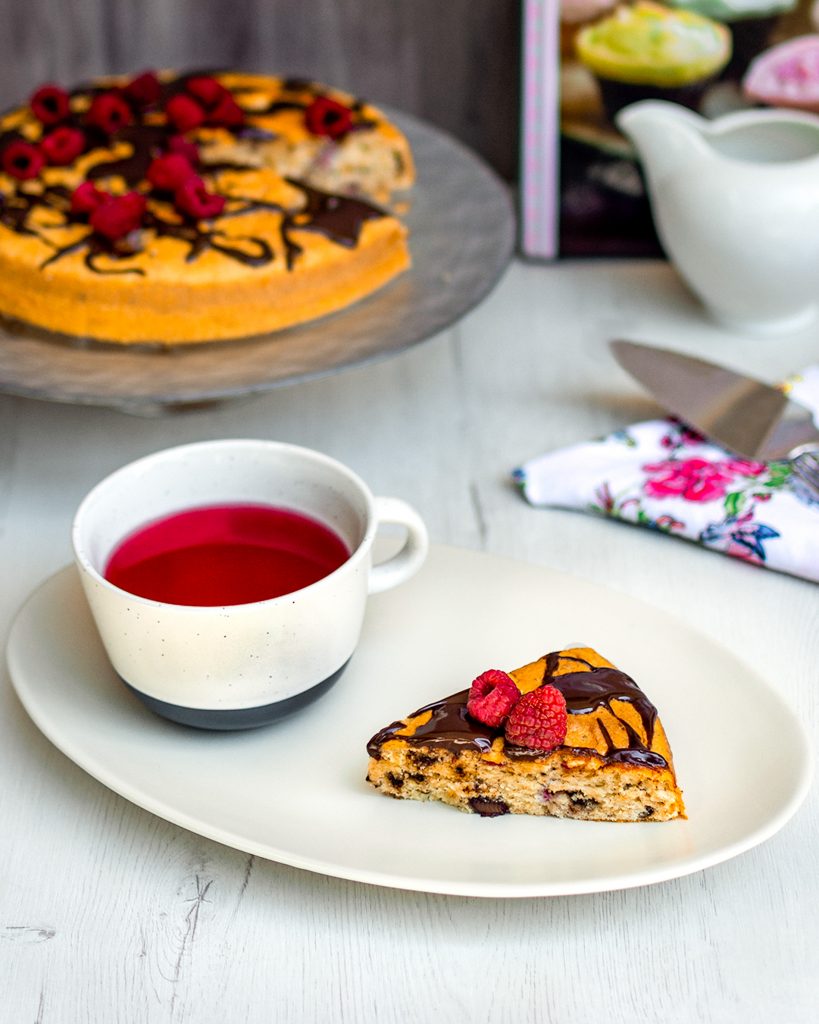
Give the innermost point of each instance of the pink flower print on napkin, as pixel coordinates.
(696, 479)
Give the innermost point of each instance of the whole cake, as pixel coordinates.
(568, 735)
(196, 207)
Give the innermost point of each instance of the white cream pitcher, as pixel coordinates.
(736, 205)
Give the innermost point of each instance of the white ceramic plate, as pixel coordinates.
(295, 792)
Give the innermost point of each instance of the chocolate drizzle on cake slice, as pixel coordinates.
(615, 763)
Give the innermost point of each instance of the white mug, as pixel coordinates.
(238, 666)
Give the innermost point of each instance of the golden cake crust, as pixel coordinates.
(615, 763)
(298, 236)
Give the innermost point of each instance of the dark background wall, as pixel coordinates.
(453, 62)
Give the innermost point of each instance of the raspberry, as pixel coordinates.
(118, 216)
(492, 697)
(86, 198)
(184, 113)
(169, 172)
(50, 104)
(328, 117)
(21, 160)
(206, 90)
(62, 146)
(227, 113)
(109, 112)
(193, 198)
(145, 89)
(538, 720)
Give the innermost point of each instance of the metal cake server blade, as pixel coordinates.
(742, 414)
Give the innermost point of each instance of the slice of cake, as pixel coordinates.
(568, 735)
(179, 208)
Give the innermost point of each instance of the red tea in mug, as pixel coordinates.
(225, 555)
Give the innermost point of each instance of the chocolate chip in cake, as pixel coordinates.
(488, 808)
(395, 780)
(422, 760)
(578, 800)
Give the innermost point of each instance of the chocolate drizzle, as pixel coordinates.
(598, 687)
(276, 105)
(16, 207)
(338, 218)
(450, 726)
(146, 142)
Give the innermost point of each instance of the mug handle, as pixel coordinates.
(409, 559)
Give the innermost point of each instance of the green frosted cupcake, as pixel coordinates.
(647, 50)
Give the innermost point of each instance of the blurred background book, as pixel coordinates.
(711, 56)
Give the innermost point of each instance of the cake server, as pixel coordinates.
(742, 414)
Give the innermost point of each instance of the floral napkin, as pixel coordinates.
(663, 475)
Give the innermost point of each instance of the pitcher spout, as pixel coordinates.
(665, 135)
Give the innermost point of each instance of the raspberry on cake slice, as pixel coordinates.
(568, 735)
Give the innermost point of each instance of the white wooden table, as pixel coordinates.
(109, 914)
